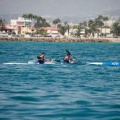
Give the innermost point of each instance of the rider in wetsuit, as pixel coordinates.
(41, 58)
(67, 58)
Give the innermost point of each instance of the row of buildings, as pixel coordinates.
(22, 26)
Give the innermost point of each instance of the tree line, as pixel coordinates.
(91, 27)
(39, 22)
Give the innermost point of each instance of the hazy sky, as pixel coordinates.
(57, 7)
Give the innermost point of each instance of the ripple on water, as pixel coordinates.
(59, 92)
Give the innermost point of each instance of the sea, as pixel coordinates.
(59, 91)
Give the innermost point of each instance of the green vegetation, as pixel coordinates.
(62, 29)
(90, 28)
(39, 22)
(56, 22)
(95, 26)
(2, 24)
(115, 29)
(42, 32)
(78, 29)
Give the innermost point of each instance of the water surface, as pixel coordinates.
(59, 92)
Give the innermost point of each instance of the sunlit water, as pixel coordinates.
(59, 92)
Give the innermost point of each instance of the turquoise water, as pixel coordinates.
(59, 92)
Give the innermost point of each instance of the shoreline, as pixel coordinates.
(47, 39)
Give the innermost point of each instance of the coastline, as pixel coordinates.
(48, 39)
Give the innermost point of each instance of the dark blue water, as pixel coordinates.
(59, 92)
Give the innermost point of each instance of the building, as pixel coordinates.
(52, 31)
(7, 29)
(22, 25)
(73, 31)
(28, 30)
(21, 22)
(109, 23)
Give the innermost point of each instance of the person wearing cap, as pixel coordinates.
(67, 58)
(41, 58)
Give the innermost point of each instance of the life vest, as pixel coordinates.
(40, 60)
(67, 60)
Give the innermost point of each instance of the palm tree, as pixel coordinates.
(2, 23)
(44, 23)
(101, 19)
(91, 26)
(67, 27)
(94, 30)
(105, 18)
(30, 17)
(35, 18)
(24, 16)
(39, 22)
(78, 29)
(115, 29)
(99, 24)
(87, 32)
(56, 21)
(62, 29)
(90, 23)
(94, 26)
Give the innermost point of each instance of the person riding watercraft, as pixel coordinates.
(41, 58)
(67, 58)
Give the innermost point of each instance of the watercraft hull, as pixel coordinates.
(105, 63)
(112, 63)
(89, 63)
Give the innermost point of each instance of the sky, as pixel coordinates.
(58, 7)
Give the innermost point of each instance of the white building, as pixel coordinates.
(21, 22)
(72, 32)
(105, 30)
(19, 25)
(52, 31)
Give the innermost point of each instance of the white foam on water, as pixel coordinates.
(14, 63)
(95, 63)
(49, 63)
(32, 61)
(29, 62)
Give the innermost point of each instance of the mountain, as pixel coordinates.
(111, 13)
(115, 13)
